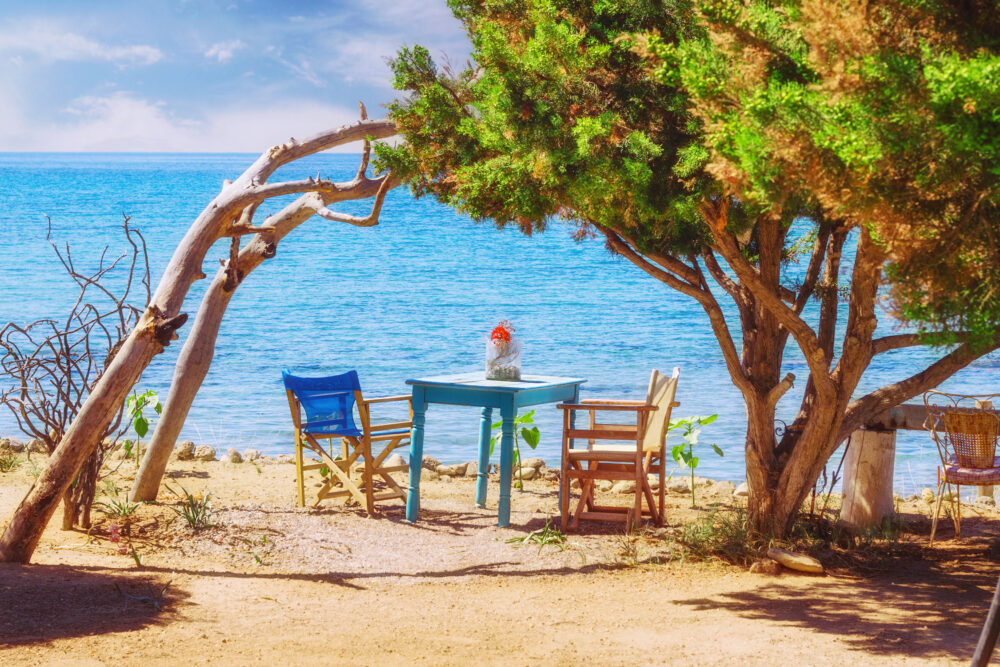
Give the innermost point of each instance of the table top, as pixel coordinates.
(476, 381)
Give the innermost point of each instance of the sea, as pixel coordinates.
(415, 296)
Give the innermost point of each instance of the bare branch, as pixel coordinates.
(894, 342)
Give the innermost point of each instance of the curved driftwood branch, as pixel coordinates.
(159, 323)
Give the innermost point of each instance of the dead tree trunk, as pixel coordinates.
(230, 214)
(199, 348)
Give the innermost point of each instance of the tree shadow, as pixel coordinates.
(41, 603)
(181, 474)
(922, 608)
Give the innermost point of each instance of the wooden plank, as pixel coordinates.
(600, 434)
(606, 516)
(387, 399)
(584, 455)
(393, 426)
(605, 406)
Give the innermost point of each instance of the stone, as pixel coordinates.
(678, 486)
(552, 474)
(928, 495)
(985, 501)
(15, 444)
(4, 444)
(724, 489)
(533, 462)
(795, 561)
(285, 458)
(453, 470)
(472, 470)
(912, 497)
(574, 484)
(204, 453)
(394, 460)
(525, 473)
(742, 490)
(766, 566)
(184, 451)
(604, 485)
(429, 463)
(36, 446)
(266, 460)
(429, 475)
(653, 481)
(233, 456)
(623, 487)
(251, 454)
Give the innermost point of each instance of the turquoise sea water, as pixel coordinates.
(414, 296)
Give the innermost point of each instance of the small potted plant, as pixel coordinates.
(503, 353)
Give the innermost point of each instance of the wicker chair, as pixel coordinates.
(964, 428)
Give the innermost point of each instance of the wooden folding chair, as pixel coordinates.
(645, 456)
(328, 403)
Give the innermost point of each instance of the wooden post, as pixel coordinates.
(868, 472)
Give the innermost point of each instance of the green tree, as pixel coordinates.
(691, 135)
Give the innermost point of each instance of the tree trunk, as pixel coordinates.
(868, 468)
(229, 214)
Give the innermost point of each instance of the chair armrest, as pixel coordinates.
(593, 401)
(387, 399)
(640, 407)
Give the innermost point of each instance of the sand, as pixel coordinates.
(271, 583)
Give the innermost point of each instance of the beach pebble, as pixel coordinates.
(184, 451)
(525, 473)
(430, 463)
(204, 453)
(766, 566)
(624, 486)
(453, 470)
(394, 460)
(795, 561)
(724, 489)
(251, 454)
(233, 456)
(284, 458)
(533, 462)
(742, 491)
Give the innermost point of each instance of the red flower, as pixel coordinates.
(502, 331)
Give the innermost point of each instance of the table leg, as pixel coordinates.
(482, 474)
(506, 463)
(416, 454)
(572, 425)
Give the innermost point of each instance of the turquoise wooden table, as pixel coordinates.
(473, 390)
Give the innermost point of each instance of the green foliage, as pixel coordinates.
(683, 452)
(531, 436)
(9, 461)
(196, 512)
(546, 535)
(135, 405)
(117, 506)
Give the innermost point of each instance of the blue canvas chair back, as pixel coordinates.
(327, 401)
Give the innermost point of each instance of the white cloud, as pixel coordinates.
(223, 51)
(49, 42)
(123, 122)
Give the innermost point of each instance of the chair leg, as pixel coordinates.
(299, 473)
(368, 477)
(564, 498)
(958, 510)
(937, 512)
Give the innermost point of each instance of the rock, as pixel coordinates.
(36, 446)
(13, 444)
(430, 463)
(795, 561)
(533, 462)
(395, 460)
(653, 481)
(604, 485)
(453, 470)
(266, 460)
(4, 444)
(429, 475)
(574, 484)
(184, 451)
(233, 456)
(251, 454)
(678, 486)
(285, 458)
(927, 495)
(766, 566)
(204, 453)
(985, 501)
(472, 470)
(624, 486)
(552, 474)
(525, 473)
(741, 491)
(912, 497)
(724, 489)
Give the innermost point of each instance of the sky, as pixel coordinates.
(201, 75)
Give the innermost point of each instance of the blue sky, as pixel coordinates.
(201, 76)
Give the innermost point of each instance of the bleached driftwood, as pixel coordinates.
(230, 214)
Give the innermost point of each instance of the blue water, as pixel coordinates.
(412, 297)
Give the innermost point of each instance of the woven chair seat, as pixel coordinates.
(957, 474)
